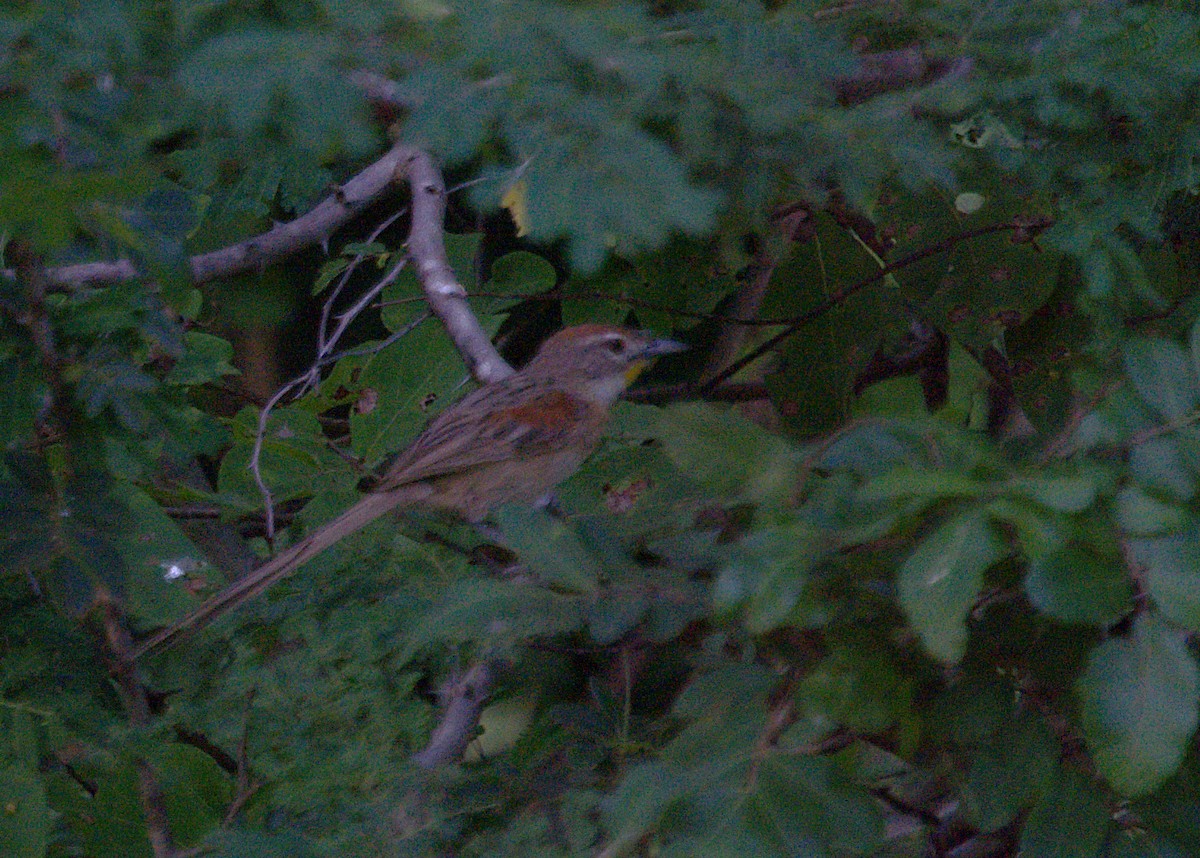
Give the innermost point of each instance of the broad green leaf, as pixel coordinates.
(399, 389)
(803, 799)
(1194, 350)
(1066, 493)
(205, 358)
(1009, 770)
(1070, 821)
(858, 685)
(641, 797)
(197, 791)
(1172, 576)
(1162, 375)
(1138, 701)
(767, 571)
(941, 579)
(521, 273)
(552, 549)
(1075, 584)
(1141, 514)
(1161, 464)
(615, 611)
(1170, 809)
(926, 484)
(499, 613)
(726, 453)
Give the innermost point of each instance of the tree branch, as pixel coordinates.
(463, 703)
(119, 647)
(313, 227)
(445, 295)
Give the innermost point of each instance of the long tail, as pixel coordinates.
(285, 563)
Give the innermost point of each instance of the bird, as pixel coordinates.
(510, 441)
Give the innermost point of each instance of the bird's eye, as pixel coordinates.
(616, 346)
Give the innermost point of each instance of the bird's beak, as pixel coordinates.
(656, 346)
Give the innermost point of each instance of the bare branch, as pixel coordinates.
(313, 227)
(446, 296)
(463, 701)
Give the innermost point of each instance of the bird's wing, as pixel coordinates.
(468, 435)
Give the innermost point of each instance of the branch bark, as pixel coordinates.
(460, 715)
(313, 227)
(427, 249)
(119, 652)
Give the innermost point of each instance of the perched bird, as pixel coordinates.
(511, 441)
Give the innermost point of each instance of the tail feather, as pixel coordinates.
(371, 507)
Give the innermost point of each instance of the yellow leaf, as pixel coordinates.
(516, 200)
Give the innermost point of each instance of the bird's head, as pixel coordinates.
(600, 361)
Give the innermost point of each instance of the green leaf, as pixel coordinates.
(766, 573)
(1172, 576)
(1067, 493)
(641, 797)
(1162, 464)
(522, 273)
(1076, 584)
(1010, 770)
(726, 453)
(1141, 514)
(25, 816)
(205, 358)
(858, 685)
(197, 791)
(941, 579)
(806, 799)
(551, 548)
(928, 485)
(401, 388)
(1138, 702)
(499, 613)
(1162, 375)
(1070, 821)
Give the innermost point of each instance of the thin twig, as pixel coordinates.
(327, 308)
(301, 383)
(795, 323)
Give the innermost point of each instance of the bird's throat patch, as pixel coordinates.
(635, 369)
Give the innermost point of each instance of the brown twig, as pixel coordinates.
(121, 663)
(36, 319)
(780, 715)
